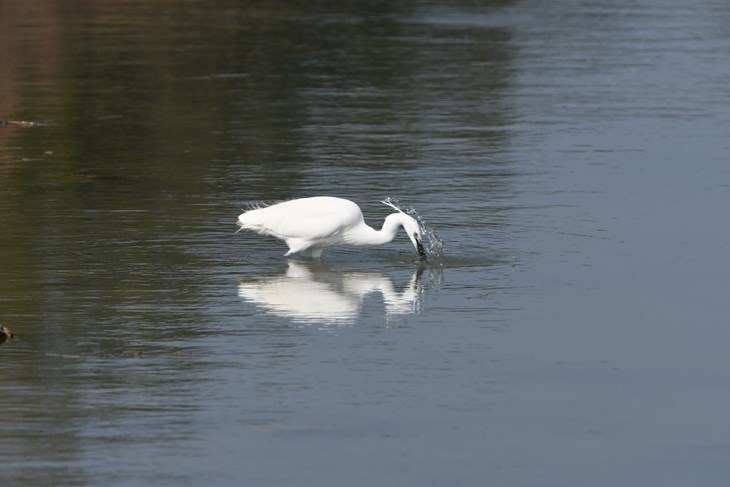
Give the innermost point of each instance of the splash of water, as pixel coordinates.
(433, 244)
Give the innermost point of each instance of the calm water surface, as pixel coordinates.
(572, 156)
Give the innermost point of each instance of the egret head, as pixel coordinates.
(410, 225)
(413, 229)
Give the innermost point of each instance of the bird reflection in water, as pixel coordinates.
(311, 293)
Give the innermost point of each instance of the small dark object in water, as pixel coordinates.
(5, 334)
(16, 123)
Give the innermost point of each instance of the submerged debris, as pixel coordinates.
(22, 123)
(15, 123)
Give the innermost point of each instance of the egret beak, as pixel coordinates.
(421, 251)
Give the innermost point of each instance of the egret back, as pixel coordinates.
(319, 217)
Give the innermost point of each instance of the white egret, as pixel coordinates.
(313, 224)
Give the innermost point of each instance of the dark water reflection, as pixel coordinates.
(572, 156)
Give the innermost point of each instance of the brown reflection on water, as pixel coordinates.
(29, 50)
(157, 120)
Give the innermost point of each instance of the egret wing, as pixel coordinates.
(316, 218)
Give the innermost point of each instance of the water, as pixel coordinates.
(570, 156)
